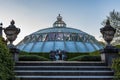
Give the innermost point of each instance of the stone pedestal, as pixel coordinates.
(108, 54)
(15, 53)
(15, 57)
(108, 57)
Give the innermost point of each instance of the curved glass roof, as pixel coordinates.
(59, 37)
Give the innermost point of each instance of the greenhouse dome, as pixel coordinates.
(59, 37)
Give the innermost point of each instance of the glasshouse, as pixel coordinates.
(59, 37)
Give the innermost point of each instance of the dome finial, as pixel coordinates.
(59, 22)
(59, 14)
(59, 18)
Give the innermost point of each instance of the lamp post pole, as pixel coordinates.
(109, 52)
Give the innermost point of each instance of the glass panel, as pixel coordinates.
(51, 36)
(28, 47)
(59, 36)
(37, 47)
(90, 47)
(33, 38)
(70, 46)
(26, 39)
(66, 36)
(40, 37)
(48, 46)
(73, 37)
(80, 37)
(81, 47)
(86, 38)
(59, 45)
(21, 46)
(44, 37)
(96, 47)
(59, 25)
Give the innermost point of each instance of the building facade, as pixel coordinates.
(59, 37)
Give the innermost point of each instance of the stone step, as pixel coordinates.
(63, 73)
(64, 77)
(58, 63)
(62, 68)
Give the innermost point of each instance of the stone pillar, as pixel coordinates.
(108, 54)
(15, 53)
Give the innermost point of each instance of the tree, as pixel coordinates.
(114, 18)
(6, 62)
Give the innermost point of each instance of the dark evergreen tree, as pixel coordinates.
(6, 62)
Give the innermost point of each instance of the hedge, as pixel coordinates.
(86, 58)
(32, 58)
(46, 55)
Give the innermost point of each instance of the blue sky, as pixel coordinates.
(32, 15)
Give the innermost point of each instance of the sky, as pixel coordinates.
(33, 15)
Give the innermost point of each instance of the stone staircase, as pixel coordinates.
(62, 70)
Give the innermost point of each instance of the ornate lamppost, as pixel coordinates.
(11, 33)
(109, 52)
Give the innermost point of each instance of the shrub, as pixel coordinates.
(95, 53)
(86, 58)
(116, 68)
(69, 55)
(72, 55)
(117, 46)
(46, 55)
(32, 58)
(6, 63)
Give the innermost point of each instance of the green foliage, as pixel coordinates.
(117, 46)
(116, 68)
(86, 58)
(6, 63)
(72, 55)
(93, 56)
(69, 55)
(95, 53)
(32, 58)
(45, 55)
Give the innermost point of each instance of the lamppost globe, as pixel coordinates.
(108, 32)
(11, 33)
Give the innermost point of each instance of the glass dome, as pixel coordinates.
(59, 37)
